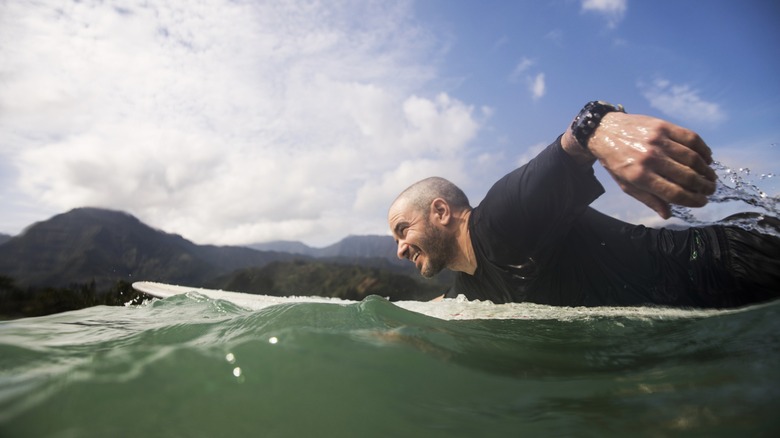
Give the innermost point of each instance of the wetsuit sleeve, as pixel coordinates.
(530, 209)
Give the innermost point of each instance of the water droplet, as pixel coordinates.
(737, 186)
(230, 357)
(237, 371)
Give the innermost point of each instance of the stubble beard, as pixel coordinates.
(439, 248)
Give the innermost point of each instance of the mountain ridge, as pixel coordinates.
(87, 244)
(98, 246)
(351, 246)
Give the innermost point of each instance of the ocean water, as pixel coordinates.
(190, 366)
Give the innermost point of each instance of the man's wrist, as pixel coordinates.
(587, 121)
(572, 147)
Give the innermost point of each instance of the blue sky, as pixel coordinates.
(235, 122)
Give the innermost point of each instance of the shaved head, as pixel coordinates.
(421, 194)
(426, 220)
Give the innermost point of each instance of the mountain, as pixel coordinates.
(292, 247)
(350, 247)
(96, 248)
(368, 251)
(89, 244)
(362, 246)
(4, 238)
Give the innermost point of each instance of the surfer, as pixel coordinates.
(534, 237)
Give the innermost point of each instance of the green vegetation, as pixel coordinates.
(345, 281)
(303, 278)
(18, 302)
(81, 258)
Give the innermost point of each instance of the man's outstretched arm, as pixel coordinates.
(656, 162)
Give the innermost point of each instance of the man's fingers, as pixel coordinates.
(686, 179)
(691, 159)
(666, 183)
(692, 141)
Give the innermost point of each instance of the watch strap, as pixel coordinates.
(589, 118)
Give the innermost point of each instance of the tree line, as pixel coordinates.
(303, 278)
(20, 302)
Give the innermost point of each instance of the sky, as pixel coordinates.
(238, 122)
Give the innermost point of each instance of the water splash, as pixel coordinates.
(736, 185)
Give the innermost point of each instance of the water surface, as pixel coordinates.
(193, 366)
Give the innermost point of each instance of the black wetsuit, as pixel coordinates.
(536, 240)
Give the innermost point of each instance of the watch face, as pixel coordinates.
(588, 119)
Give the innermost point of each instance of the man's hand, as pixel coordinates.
(654, 161)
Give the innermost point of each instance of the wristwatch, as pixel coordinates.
(589, 118)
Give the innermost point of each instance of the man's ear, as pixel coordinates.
(440, 211)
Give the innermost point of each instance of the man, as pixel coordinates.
(534, 237)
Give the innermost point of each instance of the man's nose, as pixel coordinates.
(402, 249)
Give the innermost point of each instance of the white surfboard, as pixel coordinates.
(450, 309)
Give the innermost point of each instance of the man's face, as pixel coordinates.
(425, 244)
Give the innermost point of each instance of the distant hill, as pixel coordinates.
(363, 246)
(349, 247)
(88, 244)
(288, 246)
(4, 238)
(369, 251)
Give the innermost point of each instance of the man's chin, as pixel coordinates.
(428, 272)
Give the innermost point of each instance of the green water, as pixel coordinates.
(188, 366)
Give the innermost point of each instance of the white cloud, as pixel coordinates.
(682, 102)
(226, 122)
(522, 66)
(388, 185)
(537, 86)
(612, 10)
(535, 82)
